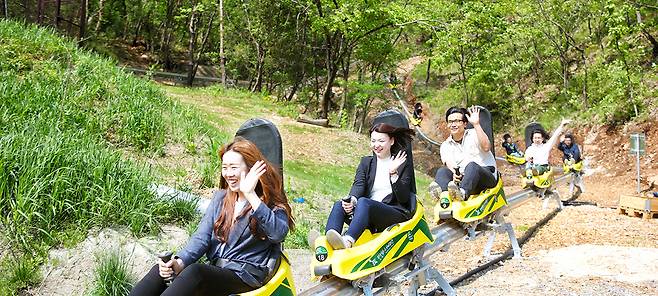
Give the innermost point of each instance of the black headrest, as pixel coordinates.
(266, 136)
(528, 132)
(397, 119)
(487, 125)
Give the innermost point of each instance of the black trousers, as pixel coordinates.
(475, 178)
(196, 279)
(368, 213)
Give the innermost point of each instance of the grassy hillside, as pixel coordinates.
(64, 115)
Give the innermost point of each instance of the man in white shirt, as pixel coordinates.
(470, 166)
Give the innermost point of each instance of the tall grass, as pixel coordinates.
(18, 273)
(63, 111)
(45, 77)
(112, 275)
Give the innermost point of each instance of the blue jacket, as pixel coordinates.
(510, 148)
(365, 179)
(241, 246)
(569, 151)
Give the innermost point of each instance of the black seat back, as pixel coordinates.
(486, 123)
(528, 132)
(267, 138)
(397, 119)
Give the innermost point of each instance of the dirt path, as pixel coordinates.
(584, 250)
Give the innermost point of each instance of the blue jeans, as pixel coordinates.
(368, 213)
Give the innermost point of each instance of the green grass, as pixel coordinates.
(18, 273)
(236, 105)
(112, 275)
(66, 118)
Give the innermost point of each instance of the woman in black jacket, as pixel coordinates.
(381, 189)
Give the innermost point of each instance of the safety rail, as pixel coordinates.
(419, 131)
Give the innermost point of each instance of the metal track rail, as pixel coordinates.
(444, 235)
(419, 131)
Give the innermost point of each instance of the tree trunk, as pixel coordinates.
(167, 35)
(354, 118)
(194, 58)
(26, 10)
(40, 4)
(260, 63)
(6, 11)
(191, 28)
(138, 29)
(295, 86)
(327, 93)
(565, 75)
(332, 68)
(346, 76)
(100, 15)
(429, 68)
(222, 57)
(317, 87)
(83, 20)
(364, 115)
(585, 94)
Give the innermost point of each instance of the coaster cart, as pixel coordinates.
(482, 212)
(542, 184)
(576, 183)
(364, 264)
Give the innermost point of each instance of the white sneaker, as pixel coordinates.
(336, 240)
(435, 190)
(311, 237)
(454, 191)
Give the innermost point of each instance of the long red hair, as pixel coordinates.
(269, 189)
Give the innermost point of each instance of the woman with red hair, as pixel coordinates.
(240, 234)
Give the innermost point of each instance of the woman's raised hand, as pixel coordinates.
(249, 180)
(397, 161)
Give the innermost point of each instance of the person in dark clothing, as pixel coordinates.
(381, 191)
(418, 111)
(510, 147)
(240, 233)
(569, 148)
